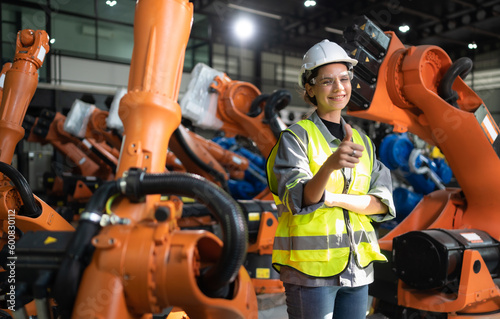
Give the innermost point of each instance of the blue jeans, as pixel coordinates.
(326, 302)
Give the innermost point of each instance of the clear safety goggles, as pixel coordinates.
(329, 79)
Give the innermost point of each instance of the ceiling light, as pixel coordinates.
(333, 30)
(52, 41)
(310, 3)
(244, 29)
(258, 12)
(472, 45)
(404, 28)
(111, 3)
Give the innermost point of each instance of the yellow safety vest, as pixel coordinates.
(319, 243)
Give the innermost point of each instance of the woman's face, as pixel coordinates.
(332, 88)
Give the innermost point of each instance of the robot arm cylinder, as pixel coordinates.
(19, 87)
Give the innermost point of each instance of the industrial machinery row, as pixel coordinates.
(160, 220)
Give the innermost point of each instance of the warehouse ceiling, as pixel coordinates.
(289, 26)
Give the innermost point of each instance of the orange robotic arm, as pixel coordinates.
(215, 101)
(206, 158)
(97, 129)
(20, 210)
(86, 121)
(142, 262)
(49, 128)
(19, 86)
(409, 95)
(18, 81)
(135, 261)
(196, 158)
(232, 162)
(420, 90)
(235, 100)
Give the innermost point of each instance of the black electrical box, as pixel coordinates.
(432, 259)
(362, 94)
(366, 33)
(368, 66)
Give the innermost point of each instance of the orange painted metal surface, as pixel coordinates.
(477, 293)
(20, 81)
(264, 246)
(265, 238)
(77, 152)
(195, 153)
(235, 99)
(97, 129)
(225, 163)
(235, 164)
(406, 97)
(143, 266)
(20, 84)
(146, 266)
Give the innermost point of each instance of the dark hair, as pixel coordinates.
(310, 74)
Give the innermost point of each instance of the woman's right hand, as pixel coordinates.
(347, 154)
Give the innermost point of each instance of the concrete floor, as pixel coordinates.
(272, 306)
(278, 312)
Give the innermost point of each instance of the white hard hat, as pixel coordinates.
(321, 53)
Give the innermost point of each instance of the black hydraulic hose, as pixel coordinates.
(255, 108)
(223, 207)
(97, 202)
(31, 209)
(277, 101)
(462, 68)
(79, 249)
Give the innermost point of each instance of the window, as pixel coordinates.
(122, 12)
(197, 51)
(74, 35)
(86, 8)
(115, 41)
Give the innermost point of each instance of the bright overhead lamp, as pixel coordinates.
(333, 30)
(244, 28)
(253, 11)
(472, 45)
(404, 28)
(111, 3)
(309, 3)
(52, 41)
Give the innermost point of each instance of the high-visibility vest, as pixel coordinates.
(319, 243)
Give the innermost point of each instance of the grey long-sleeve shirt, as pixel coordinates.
(292, 164)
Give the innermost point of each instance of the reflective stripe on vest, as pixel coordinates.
(318, 244)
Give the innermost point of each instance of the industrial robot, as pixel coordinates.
(127, 257)
(444, 256)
